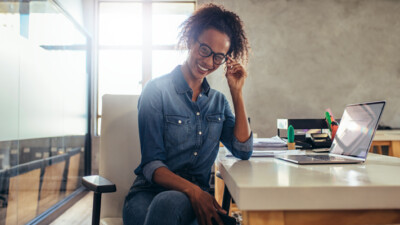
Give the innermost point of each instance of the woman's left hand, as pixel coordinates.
(235, 74)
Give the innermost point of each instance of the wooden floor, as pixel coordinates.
(79, 213)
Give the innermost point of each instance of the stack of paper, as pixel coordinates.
(273, 142)
(268, 147)
(271, 153)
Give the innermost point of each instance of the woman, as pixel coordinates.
(182, 120)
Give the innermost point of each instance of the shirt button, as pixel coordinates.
(195, 153)
(200, 95)
(198, 113)
(199, 132)
(179, 121)
(219, 118)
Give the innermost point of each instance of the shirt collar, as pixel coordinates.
(181, 86)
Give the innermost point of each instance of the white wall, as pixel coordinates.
(311, 55)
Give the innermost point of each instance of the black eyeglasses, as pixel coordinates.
(205, 51)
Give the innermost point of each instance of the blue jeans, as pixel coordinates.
(155, 208)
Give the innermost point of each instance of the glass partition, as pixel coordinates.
(44, 116)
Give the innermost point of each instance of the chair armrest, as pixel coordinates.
(98, 184)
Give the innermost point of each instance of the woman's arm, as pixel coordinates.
(242, 127)
(204, 205)
(236, 76)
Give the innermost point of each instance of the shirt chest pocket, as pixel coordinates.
(215, 125)
(177, 129)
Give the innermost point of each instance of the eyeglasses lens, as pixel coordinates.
(219, 59)
(205, 51)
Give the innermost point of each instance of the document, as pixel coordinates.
(269, 147)
(279, 152)
(271, 153)
(273, 142)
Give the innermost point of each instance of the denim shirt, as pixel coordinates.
(183, 135)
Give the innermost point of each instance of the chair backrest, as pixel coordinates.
(119, 149)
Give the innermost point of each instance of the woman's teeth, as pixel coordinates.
(202, 68)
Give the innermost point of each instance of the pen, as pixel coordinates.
(328, 119)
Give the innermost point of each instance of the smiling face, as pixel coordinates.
(198, 66)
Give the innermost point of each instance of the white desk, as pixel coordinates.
(271, 191)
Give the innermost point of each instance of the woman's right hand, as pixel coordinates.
(205, 206)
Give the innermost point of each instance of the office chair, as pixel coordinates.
(119, 156)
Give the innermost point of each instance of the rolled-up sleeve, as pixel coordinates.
(151, 131)
(149, 168)
(242, 150)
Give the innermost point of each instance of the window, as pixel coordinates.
(137, 42)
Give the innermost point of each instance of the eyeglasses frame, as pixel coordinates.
(211, 53)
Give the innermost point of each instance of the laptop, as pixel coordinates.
(353, 137)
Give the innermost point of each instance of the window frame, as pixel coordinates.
(146, 47)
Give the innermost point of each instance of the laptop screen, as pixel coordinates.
(357, 128)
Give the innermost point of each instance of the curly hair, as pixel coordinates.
(215, 16)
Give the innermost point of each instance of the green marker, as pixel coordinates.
(290, 134)
(328, 119)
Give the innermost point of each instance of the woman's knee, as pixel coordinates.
(173, 205)
(135, 208)
(171, 200)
